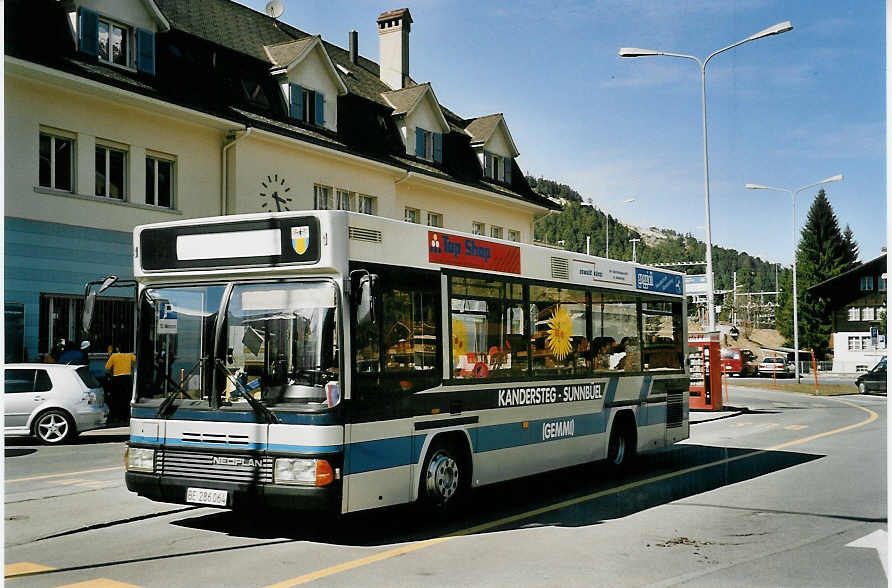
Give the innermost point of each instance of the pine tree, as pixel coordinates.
(820, 256)
(851, 248)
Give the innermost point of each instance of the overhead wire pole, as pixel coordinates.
(777, 29)
(793, 193)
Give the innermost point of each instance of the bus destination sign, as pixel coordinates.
(657, 281)
(472, 252)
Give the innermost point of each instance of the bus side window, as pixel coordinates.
(487, 323)
(401, 350)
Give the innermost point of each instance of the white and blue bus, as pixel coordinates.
(334, 360)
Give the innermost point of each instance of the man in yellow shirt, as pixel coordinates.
(121, 367)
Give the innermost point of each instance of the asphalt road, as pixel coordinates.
(792, 493)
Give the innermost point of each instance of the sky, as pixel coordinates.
(787, 110)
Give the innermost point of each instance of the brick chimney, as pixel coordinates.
(393, 47)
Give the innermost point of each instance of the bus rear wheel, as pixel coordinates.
(621, 449)
(444, 476)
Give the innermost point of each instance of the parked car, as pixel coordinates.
(874, 380)
(777, 366)
(738, 362)
(53, 402)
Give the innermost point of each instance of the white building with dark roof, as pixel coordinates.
(128, 112)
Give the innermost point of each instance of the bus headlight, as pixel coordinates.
(306, 472)
(139, 459)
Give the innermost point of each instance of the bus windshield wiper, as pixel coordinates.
(258, 406)
(177, 389)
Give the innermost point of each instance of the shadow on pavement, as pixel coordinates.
(655, 479)
(19, 452)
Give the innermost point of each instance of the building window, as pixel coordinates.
(478, 228)
(497, 167)
(367, 204)
(344, 200)
(495, 232)
(322, 199)
(867, 313)
(306, 105)
(866, 283)
(882, 282)
(60, 319)
(114, 43)
(854, 344)
(428, 145)
(513, 235)
(55, 169)
(159, 181)
(111, 172)
(854, 314)
(435, 219)
(412, 215)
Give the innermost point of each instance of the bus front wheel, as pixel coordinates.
(444, 476)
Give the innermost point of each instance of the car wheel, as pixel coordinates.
(53, 427)
(862, 388)
(444, 477)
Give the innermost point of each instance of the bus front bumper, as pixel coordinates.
(276, 496)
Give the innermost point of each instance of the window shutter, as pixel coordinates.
(487, 164)
(296, 101)
(509, 163)
(88, 32)
(145, 47)
(320, 108)
(438, 147)
(419, 141)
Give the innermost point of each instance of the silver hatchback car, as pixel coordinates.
(52, 402)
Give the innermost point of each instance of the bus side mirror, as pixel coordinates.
(90, 299)
(367, 292)
(87, 317)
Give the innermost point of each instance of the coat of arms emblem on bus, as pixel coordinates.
(300, 239)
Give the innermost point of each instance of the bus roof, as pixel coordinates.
(327, 241)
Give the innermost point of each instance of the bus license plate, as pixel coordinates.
(207, 496)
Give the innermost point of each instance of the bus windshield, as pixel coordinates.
(277, 342)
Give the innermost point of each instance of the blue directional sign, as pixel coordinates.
(657, 281)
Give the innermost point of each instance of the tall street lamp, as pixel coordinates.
(607, 227)
(777, 29)
(793, 193)
(634, 242)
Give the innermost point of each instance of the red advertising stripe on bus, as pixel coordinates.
(472, 252)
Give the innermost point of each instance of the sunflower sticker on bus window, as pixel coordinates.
(559, 329)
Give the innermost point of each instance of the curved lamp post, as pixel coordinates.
(793, 193)
(777, 29)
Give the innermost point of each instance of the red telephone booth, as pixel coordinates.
(704, 358)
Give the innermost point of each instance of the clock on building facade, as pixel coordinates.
(274, 193)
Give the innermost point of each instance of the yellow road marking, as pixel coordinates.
(99, 583)
(564, 504)
(358, 562)
(23, 567)
(48, 476)
(795, 427)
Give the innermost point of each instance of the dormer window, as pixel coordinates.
(114, 43)
(306, 105)
(496, 167)
(428, 145)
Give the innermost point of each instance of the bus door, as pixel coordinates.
(396, 356)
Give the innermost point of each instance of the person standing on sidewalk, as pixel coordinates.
(121, 367)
